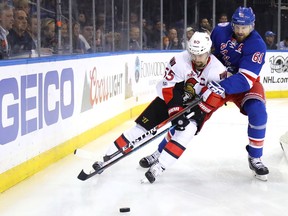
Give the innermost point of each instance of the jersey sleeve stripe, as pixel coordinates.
(249, 76)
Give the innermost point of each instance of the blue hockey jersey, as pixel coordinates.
(244, 60)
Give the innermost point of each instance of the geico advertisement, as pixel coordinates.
(31, 102)
(45, 104)
(36, 100)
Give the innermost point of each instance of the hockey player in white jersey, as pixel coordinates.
(193, 68)
(206, 72)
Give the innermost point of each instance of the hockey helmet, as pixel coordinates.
(199, 43)
(243, 16)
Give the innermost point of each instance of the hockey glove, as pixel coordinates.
(181, 122)
(213, 95)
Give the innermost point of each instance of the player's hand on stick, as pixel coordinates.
(211, 89)
(213, 95)
(181, 122)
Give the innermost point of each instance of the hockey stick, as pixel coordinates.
(84, 176)
(154, 130)
(88, 155)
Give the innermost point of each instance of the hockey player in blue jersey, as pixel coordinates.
(242, 50)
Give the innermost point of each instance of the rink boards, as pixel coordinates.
(54, 105)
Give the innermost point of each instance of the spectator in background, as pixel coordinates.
(283, 45)
(134, 42)
(65, 36)
(166, 42)
(189, 33)
(223, 18)
(100, 22)
(204, 26)
(22, 4)
(156, 34)
(134, 20)
(48, 36)
(270, 40)
(99, 41)
(19, 38)
(81, 17)
(33, 30)
(147, 33)
(110, 40)
(6, 23)
(174, 44)
(78, 45)
(86, 35)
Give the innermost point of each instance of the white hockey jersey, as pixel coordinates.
(180, 69)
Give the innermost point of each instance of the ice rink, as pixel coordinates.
(211, 178)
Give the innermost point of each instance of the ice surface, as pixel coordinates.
(211, 178)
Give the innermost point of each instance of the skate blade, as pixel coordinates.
(260, 177)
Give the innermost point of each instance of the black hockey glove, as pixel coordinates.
(181, 122)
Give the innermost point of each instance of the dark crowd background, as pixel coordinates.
(68, 27)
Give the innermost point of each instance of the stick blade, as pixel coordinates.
(83, 176)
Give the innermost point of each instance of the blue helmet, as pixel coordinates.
(243, 16)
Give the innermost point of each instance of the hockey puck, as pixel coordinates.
(124, 209)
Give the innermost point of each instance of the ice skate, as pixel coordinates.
(260, 171)
(155, 170)
(149, 160)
